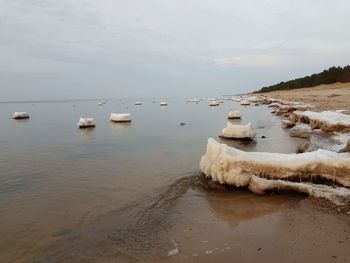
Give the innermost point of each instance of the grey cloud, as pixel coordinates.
(240, 45)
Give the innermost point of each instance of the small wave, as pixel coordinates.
(136, 232)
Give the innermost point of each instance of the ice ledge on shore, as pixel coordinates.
(337, 195)
(260, 171)
(327, 121)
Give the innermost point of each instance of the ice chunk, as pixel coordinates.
(234, 114)
(163, 103)
(120, 117)
(86, 123)
(20, 115)
(238, 131)
(138, 103)
(287, 124)
(346, 148)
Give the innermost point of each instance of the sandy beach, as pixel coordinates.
(324, 97)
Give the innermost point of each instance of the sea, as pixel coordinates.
(123, 192)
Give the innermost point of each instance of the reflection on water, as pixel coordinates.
(87, 132)
(240, 205)
(113, 191)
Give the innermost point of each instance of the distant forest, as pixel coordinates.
(328, 76)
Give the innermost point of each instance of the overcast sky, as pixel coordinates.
(58, 49)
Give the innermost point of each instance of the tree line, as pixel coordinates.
(328, 76)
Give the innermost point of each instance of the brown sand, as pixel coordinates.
(324, 97)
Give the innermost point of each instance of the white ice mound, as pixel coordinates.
(234, 114)
(245, 102)
(86, 123)
(260, 171)
(120, 117)
(138, 103)
(20, 115)
(328, 121)
(238, 131)
(163, 103)
(214, 103)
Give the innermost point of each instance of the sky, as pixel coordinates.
(75, 49)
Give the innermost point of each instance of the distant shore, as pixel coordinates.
(324, 97)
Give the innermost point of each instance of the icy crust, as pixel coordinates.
(327, 121)
(337, 195)
(238, 131)
(228, 165)
(234, 114)
(120, 117)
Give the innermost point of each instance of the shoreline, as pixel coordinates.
(324, 97)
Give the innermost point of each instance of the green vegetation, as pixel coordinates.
(328, 76)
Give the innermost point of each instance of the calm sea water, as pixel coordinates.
(70, 194)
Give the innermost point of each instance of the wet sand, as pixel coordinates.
(324, 97)
(275, 228)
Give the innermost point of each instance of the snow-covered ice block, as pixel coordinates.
(20, 115)
(163, 103)
(238, 131)
(120, 117)
(138, 103)
(234, 114)
(86, 123)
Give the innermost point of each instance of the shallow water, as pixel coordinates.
(112, 193)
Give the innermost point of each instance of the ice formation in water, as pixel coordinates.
(163, 103)
(234, 114)
(238, 131)
(86, 123)
(20, 115)
(120, 117)
(138, 103)
(261, 171)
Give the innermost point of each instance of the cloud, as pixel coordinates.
(159, 40)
